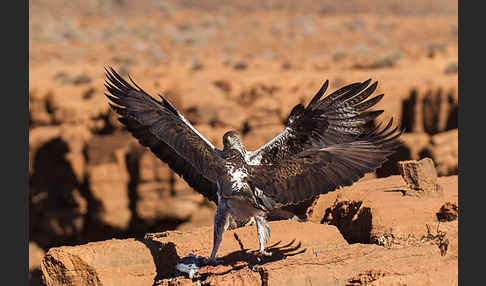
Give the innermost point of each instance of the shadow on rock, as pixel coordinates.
(165, 258)
(56, 202)
(253, 258)
(245, 258)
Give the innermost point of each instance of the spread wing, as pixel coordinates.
(322, 169)
(159, 126)
(337, 118)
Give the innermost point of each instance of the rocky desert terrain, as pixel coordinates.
(104, 211)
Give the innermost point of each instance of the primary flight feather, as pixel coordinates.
(325, 145)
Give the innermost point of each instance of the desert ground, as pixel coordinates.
(104, 211)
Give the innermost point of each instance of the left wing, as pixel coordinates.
(159, 126)
(319, 170)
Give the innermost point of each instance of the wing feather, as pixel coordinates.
(319, 170)
(159, 126)
(337, 118)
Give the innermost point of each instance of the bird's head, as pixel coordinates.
(231, 140)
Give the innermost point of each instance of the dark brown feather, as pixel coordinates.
(319, 170)
(337, 118)
(159, 126)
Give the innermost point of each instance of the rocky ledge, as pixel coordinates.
(375, 233)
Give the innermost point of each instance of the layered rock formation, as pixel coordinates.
(371, 232)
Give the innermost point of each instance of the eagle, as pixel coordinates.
(330, 143)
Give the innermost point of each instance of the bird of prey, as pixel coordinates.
(325, 145)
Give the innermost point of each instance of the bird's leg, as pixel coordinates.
(221, 223)
(263, 233)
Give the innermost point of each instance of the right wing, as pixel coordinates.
(337, 118)
(319, 170)
(159, 126)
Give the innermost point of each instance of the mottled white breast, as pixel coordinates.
(238, 177)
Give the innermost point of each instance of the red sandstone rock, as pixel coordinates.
(157, 203)
(420, 176)
(35, 257)
(108, 185)
(161, 193)
(57, 170)
(448, 212)
(108, 179)
(112, 262)
(443, 149)
(143, 262)
(302, 253)
(430, 110)
(377, 210)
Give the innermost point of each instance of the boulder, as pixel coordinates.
(378, 211)
(111, 262)
(420, 176)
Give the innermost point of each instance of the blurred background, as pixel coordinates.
(224, 65)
